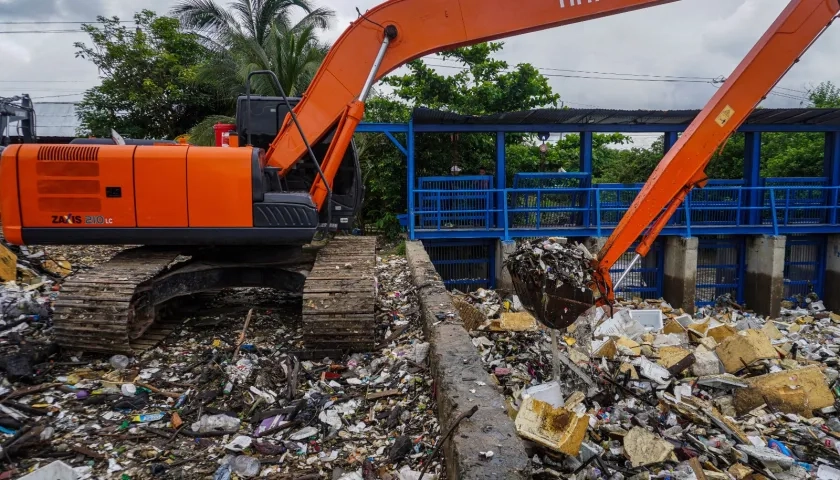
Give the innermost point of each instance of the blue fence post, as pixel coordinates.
(787, 206)
(598, 211)
(831, 162)
(586, 167)
(687, 206)
(505, 218)
(501, 177)
(670, 140)
(773, 212)
(752, 175)
(410, 168)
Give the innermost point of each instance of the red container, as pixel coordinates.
(222, 131)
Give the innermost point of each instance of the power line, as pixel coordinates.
(698, 79)
(42, 90)
(43, 81)
(593, 77)
(641, 75)
(38, 22)
(60, 96)
(40, 31)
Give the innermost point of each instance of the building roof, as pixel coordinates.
(52, 119)
(578, 116)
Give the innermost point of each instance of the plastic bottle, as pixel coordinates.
(47, 433)
(213, 423)
(354, 361)
(245, 466)
(119, 362)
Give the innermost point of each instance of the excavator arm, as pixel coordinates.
(399, 31)
(683, 167)
(394, 33)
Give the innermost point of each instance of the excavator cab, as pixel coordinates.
(267, 114)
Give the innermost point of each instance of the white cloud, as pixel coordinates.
(14, 53)
(699, 38)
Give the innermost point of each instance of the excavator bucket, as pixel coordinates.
(552, 279)
(556, 307)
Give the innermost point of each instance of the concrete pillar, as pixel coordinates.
(764, 285)
(503, 281)
(680, 287)
(831, 295)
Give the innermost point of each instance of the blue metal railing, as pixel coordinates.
(718, 209)
(804, 265)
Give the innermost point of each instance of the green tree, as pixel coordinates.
(150, 84)
(251, 35)
(483, 86)
(799, 154)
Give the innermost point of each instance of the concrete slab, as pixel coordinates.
(456, 368)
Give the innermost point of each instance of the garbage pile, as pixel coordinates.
(553, 262)
(648, 391)
(553, 278)
(232, 394)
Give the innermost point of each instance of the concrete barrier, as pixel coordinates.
(456, 368)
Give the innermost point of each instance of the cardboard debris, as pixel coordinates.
(739, 471)
(58, 266)
(742, 349)
(792, 391)
(515, 322)
(645, 448)
(471, 315)
(542, 418)
(670, 356)
(8, 264)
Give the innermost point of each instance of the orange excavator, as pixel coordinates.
(216, 217)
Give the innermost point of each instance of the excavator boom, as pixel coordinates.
(412, 29)
(682, 168)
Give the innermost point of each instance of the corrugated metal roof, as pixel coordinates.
(765, 116)
(52, 119)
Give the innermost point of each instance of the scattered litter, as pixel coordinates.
(194, 408)
(645, 390)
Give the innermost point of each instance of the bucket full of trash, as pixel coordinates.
(552, 279)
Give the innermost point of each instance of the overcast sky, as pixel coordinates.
(691, 38)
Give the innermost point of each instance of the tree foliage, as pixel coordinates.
(483, 86)
(150, 84)
(782, 154)
(252, 35)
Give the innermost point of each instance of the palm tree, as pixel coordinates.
(292, 51)
(250, 18)
(252, 35)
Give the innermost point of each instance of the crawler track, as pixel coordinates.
(108, 309)
(116, 307)
(339, 296)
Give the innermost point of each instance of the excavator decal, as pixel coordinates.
(68, 219)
